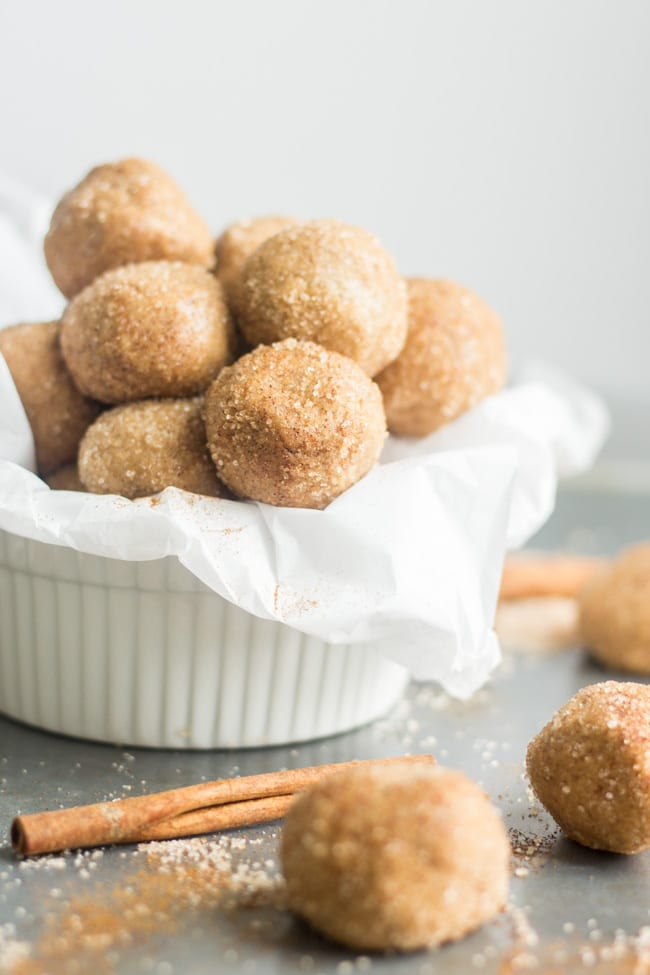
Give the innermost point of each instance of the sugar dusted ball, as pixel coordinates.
(615, 612)
(590, 767)
(454, 357)
(329, 283)
(57, 412)
(237, 243)
(122, 213)
(150, 329)
(139, 449)
(293, 424)
(390, 858)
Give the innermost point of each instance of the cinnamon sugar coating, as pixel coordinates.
(150, 329)
(590, 767)
(454, 356)
(139, 449)
(403, 859)
(615, 612)
(325, 282)
(57, 412)
(293, 424)
(237, 243)
(65, 479)
(122, 213)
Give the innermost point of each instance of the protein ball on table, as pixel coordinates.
(329, 283)
(237, 243)
(381, 859)
(57, 412)
(615, 612)
(453, 358)
(150, 329)
(590, 767)
(293, 424)
(139, 449)
(122, 213)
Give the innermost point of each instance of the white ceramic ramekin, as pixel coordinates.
(143, 654)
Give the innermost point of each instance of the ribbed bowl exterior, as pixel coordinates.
(143, 654)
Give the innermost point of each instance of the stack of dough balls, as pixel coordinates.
(143, 383)
(395, 858)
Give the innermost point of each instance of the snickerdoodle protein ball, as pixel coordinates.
(57, 412)
(392, 858)
(65, 478)
(454, 357)
(122, 213)
(615, 612)
(138, 449)
(590, 767)
(329, 283)
(293, 424)
(237, 243)
(158, 328)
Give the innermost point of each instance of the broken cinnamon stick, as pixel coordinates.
(190, 811)
(527, 575)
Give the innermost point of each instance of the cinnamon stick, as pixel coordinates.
(189, 811)
(213, 819)
(527, 575)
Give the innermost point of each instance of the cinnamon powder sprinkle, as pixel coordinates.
(180, 882)
(531, 851)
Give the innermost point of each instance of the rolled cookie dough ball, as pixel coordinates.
(293, 424)
(57, 412)
(454, 356)
(615, 612)
(590, 767)
(150, 329)
(328, 283)
(237, 243)
(122, 213)
(65, 479)
(139, 449)
(395, 858)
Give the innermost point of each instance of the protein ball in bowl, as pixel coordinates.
(329, 283)
(237, 243)
(58, 413)
(153, 329)
(382, 859)
(590, 767)
(293, 424)
(139, 449)
(614, 612)
(65, 478)
(122, 213)
(453, 358)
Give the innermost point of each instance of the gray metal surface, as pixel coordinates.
(570, 909)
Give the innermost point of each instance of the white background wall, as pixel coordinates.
(504, 143)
